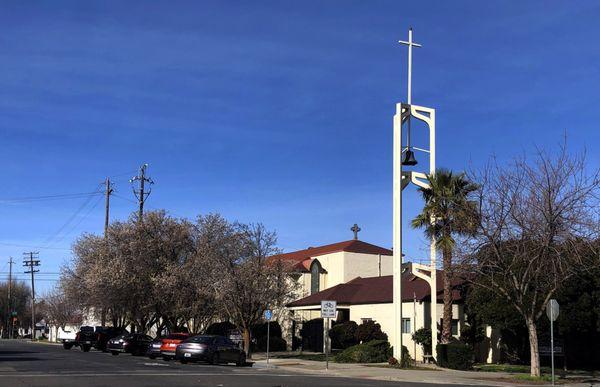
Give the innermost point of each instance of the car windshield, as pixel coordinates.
(123, 336)
(200, 339)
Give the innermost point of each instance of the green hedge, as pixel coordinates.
(275, 344)
(457, 356)
(369, 330)
(343, 335)
(375, 351)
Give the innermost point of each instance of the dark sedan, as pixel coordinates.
(135, 343)
(154, 348)
(213, 349)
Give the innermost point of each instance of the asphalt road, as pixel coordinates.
(29, 364)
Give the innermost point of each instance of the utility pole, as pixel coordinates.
(108, 191)
(10, 316)
(31, 263)
(141, 195)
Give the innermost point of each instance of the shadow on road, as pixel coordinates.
(18, 358)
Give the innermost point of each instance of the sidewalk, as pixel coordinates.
(373, 372)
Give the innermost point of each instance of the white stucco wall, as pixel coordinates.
(383, 315)
(366, 265)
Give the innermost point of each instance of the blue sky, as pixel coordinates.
(276, 112)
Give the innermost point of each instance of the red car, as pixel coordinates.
(170, 343)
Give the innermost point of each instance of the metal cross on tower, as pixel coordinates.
(410, 45)
(355, 229)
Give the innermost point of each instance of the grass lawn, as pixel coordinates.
(413, 368)
(511, 368)
(520, 373)
(305, 356)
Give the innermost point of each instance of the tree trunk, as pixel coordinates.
(447, 315)
(246, 336)
(533, 347)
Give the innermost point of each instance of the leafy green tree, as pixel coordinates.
(423, 338)
(446, 214)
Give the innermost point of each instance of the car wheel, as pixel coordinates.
(166, 358)
(114, 353)
(152, 357)
(85, 348)
(215, 358)
(183, 361)
(241, 360)
(67, 346)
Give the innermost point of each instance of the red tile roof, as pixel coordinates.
(300, 260)
(378, 290)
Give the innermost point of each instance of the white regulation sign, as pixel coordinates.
(328, 309)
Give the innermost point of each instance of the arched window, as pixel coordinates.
(315, 273)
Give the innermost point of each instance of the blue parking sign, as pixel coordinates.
(268, 314)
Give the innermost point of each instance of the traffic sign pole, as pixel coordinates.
(268, 316)
(328, 310)
(552, 342)
(327, 346)
(552, 311)
(268, 339)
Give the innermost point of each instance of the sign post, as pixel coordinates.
(552, 311)
(328, 310)
(268, 317)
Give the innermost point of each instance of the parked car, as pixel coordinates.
(85, 338)
(104, 334)
(213, 349)
(169, 344)
(153, 350)
(134, 343)
(67, 337)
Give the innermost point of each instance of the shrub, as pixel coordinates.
(406, 362)
(220, 328)
(275, 344)
(312, 335)
(368, 331)
(343, 335)
(456, 356)
(423, 338)
(260, 330)
(374, 351)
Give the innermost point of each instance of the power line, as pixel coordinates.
(33, 247)
(48, 197)
(84, 217)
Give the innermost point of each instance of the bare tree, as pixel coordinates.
(536, 224)
(60, 310)
(245, 282)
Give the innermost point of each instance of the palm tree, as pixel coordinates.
(445, 215)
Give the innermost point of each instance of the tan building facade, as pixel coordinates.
(358, 275)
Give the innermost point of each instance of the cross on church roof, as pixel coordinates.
(410, 45)
(355, 229)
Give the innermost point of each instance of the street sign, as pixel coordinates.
(552, 310)
(268, 314)
(328, 309)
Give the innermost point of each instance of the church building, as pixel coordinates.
(358, 276)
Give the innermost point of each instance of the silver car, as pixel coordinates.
(212, 349)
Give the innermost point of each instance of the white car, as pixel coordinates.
(67, 336)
